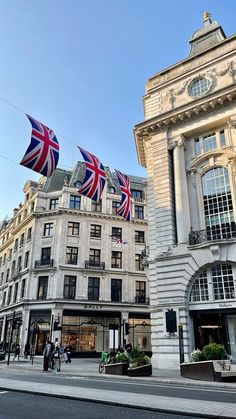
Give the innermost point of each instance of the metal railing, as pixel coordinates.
(40, 264)
(94, 264)
(213, 233)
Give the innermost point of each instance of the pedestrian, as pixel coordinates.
(17, 352)
(46, 356)
(67, 352)
(128, 349)
(27, 349)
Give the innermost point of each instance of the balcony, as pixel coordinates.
(42, 264)
(218, 232)
(94, 264)
(141, 299)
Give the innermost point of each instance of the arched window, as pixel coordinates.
(218, 207)
(215, 283)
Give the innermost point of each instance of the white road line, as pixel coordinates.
(2, 392)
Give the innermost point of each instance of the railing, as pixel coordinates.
(40, 264)
(94, 264)
(141, 299)
(212, 233)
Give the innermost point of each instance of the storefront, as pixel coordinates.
(214, 326)
(39, 330)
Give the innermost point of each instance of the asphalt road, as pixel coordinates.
(206, 393)
(27, 406)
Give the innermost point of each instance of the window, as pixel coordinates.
(139, 236)
(197, 147)
(4, 298)
(45, 256)
(10, 254)
(94, 256)
(74, 202)
(15, 245)
(112, 189)
(19, 219)
(138, 262)
(136, 194)
(47, 230)
(26, 262)
(73, 228)
(15, 292)
(27, 197)
(97, 206)
(32, 207)
(9, 295)
(13, 267)
(42, 287)
(93, 288)
(22, 239)
(199, 291)
(139, 212)
(72, 255)
(140, 292)
(19, 263)
(69, 287)
(209, 142)
(116, 259)
(116, 232)
(29, 233)
(95, 230)
(54, 203)
(199, 86)
(2, 277)
(222, 138)
(1, 261)
(218, 206)
(7, 275)
(215, 283)
(116, 290)
(115, 206)
(22, 292)
(4, 258)
(223, 283)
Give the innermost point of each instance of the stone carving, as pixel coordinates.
(231, 123)
(229, 69)
(179, 142)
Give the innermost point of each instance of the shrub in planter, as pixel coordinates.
(197, 356)
(138, 358)
(214, 351)
(120, 357)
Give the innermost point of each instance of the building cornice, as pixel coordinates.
(188, 112)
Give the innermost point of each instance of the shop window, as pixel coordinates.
(42, 288)
(116, 290)
(69, 287)
(93, 288)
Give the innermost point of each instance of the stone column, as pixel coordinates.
(181, 192)
(25, 328)
(3, 328)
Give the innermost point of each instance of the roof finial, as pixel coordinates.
(206, 16)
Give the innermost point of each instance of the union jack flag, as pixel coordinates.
(124, 209)
(95, 176)
(43, 152)
(117, 241)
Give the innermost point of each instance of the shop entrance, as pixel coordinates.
(209, 328)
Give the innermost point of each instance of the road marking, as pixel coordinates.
(2, 392)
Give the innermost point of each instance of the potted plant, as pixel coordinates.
(119, 364)
(140, 364)
(207, 364)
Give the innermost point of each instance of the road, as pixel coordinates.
(226, 395)
(27, 406)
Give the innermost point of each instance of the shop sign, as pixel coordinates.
(93, 307)
(225, 305)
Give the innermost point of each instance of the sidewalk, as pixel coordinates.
(84, 367)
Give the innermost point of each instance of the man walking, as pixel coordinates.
(46, 356)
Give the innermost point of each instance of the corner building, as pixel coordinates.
(63, 276)
(187, 142)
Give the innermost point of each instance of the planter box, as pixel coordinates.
(142, 371)
(120, 368)
(206, 370)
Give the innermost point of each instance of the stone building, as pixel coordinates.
(66, 273)
(187, 142)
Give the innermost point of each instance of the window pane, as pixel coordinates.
(116, 290)
(93, 288)
(69, 287)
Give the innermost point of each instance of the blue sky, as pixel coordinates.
(80, 67)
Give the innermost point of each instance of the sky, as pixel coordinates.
(80, 67)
